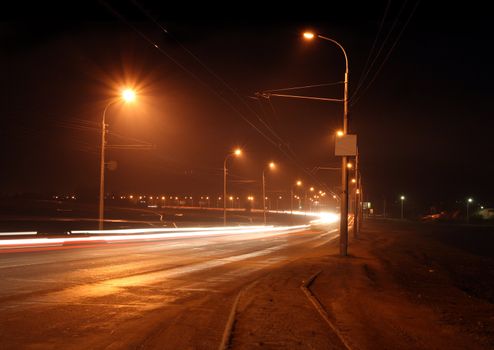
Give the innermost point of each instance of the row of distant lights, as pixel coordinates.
(250, 198)
(469, 200)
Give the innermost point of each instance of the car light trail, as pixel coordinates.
(149, 234)
(25, 233)
(164, 230)
(261, 230)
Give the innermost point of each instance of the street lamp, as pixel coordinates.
(297, 183)
(469, 200)
(235, 153)
(128, 95)
(344, 177)
(271, 166)
(402, 198)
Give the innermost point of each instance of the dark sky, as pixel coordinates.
(424, 123)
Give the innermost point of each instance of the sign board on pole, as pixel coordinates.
(346, 145)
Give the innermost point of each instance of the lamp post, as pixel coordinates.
(298, 183)
(402, 198)
(271, 165)
(344, 177)
(128, 95)
(469, 200)
(236, 153)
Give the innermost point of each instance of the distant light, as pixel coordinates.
(358, 191)
(231, 198)
(402, 198)
(131, 196)
(481, 207)
(272, 165)
(470, 200)
(163, 197)
(340, 133)
(238, 152)
(312, 189)
(354, 181)
(299, 183)
(308, 35)
(129, 95)
(349, 165)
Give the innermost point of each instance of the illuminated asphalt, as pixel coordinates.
(168, 293)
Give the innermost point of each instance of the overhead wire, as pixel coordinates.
(371, 52)
(388, 54)
(381, 48)
(306, 86)
(192, 74)
(289, 156)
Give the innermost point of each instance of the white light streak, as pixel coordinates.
(25, 233)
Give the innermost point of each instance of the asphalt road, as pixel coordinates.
(167, 294)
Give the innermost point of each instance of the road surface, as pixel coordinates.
(173, 293)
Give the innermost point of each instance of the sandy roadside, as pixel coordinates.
(399, 289)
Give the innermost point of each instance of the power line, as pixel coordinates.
(383, 44)
(371, 52)
(291, 156)
(388, 54)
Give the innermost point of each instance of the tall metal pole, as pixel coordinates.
(291, 201)
(102, 169)
(356, 221)
(344, 170)
(224, 190)
(402, 208)
(305, 202)
(264, 197)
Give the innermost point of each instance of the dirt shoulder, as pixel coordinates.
(402, 287)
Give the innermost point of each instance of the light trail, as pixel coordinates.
(263, 231)
(25, 233)
(149, 234)
(163, 230)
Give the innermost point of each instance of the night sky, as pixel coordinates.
(424, 123)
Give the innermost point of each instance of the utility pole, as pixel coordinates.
(356, 221)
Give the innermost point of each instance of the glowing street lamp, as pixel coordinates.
(469, 200)
(299, 184)
(271, 166)
(344, 170)
(128, 95)
(309, 35)
(236, 153)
